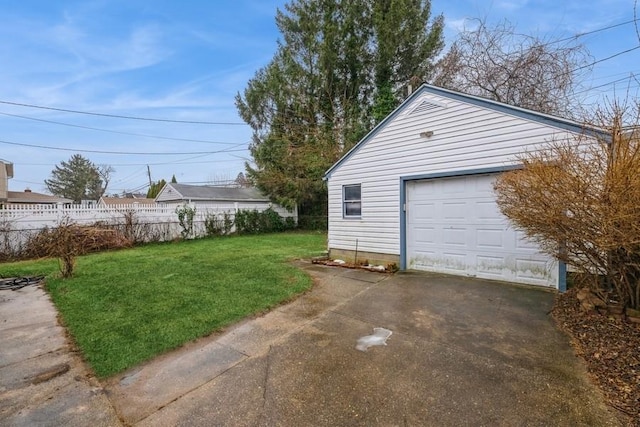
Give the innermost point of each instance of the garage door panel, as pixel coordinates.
(523, 243)
(425, 236)
(454, 226)
(490, 264)
(489, 238)
(425, 211)
(453, 210)
(452, 188)
(487, 210)
(455, 237)
(454, 261)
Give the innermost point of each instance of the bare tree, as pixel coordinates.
(221, 179)
(517, 69)
(104, 172)
(242, 181)
(580, 201)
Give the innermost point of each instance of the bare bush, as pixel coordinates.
(6, 248)
(69, 240)
(138, 231)
(580, 201)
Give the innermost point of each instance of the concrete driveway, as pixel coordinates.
(462, 352)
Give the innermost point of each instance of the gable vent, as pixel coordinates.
(426, 106)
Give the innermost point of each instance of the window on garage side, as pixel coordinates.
(351, 201)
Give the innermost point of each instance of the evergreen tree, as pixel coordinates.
(155, 188)
(316, 97)
(406, 45)
(79, 179)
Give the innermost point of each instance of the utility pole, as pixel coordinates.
(149, 174)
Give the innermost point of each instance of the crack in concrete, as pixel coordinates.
(266, 378)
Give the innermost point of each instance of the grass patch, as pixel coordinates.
(124, 307)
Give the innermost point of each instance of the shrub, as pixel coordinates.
(186, 214)
(580, 201)
(218, 224)
(267, 221)
(247, 221)
(68, 240)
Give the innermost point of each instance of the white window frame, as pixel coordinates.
(346, 202)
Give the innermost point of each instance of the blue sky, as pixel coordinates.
(186, 61)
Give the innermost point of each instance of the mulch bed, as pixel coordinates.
(611, 350)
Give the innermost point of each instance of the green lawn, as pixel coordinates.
(124, 307)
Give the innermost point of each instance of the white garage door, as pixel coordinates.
(453, 226)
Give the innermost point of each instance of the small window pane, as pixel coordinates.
(352, 209)
(352, 192)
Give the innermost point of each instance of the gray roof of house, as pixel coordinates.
(125, 201)
(204, 192)
(35, 198)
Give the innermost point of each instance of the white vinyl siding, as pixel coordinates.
(465, 137)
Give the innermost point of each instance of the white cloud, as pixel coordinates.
(462, 24)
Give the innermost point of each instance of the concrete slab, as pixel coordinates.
(453, 359)
(30, 369)
(32, 307)
(145, 390)
(42, 381)
(67, 400)
(317, 377)
(35, 338)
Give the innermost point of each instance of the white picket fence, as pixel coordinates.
(150, 222)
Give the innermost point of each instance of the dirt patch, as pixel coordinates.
(610, 348)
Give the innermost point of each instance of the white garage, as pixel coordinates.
(417, 190)
(453, 226)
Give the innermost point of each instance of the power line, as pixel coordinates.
(605, 59)
(116, 116)
(120, 152)
(578, 35)
(173, 162)
(606, 84)
(117, 132)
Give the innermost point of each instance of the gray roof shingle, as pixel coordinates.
(203, 192)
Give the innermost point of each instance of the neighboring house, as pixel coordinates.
(6, 172)
(125, 201)
(28, 197)
(418, 189)
(220, 198)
